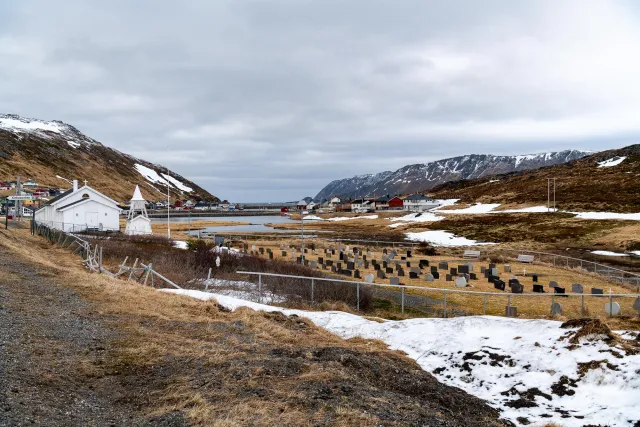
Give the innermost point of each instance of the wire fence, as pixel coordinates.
(445, 302)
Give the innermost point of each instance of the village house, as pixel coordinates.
(335, 201)
(396, 203)
(224, 205)
(419, 203)
(362, 206)
(30, 183)
(5, 186)
(79, 209)
(382, 203)
(344, 206)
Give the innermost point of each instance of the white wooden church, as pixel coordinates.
(137, 220)
(80, 209)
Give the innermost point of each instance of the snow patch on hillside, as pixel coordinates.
(347, 218)
(180, 186)
(150, 174)
(27, 125)
(499, 360)
(614, 161)
(608, 253)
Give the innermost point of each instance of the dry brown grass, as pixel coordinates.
(222, 368)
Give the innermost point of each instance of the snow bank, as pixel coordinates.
(443, 238)
(614, 161)
(608, 253)
(496, 358)
(478, 208)
(637, 253)
(347, 218)
(180, 244)
(532, 209)
(415, 218)
(312, 218)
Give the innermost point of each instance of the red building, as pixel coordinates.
(396, 203)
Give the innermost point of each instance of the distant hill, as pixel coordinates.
(605, 181)
(54, 153)
(425, 176)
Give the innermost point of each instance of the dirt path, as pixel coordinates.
(51, 353)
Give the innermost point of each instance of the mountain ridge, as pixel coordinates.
(421, 177)
(54, 153)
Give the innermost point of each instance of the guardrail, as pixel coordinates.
(402, 289)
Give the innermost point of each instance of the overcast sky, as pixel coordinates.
(271, 99)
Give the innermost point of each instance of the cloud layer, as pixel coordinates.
(271, 99)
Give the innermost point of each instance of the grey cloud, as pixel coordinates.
(270, 100)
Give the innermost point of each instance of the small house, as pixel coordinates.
(419, 203)
(396, 203)
(382, 203)
(30, 183)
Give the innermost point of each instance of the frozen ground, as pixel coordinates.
(526, 368)
(443, 238)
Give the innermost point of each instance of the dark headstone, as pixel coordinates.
(401, 272)
(434, 269)
(320, 260)
(463, 269)
(334, 269)
(499, 284)
(339, 266)
(261, 250)
(535, 278)
(449, 278)
(347, 272)
(443, 265)
(329, 263)
(538, 288)
(511, 311)
(596, 291)
(408, 254)
(517, 288)
(453, 271)
(341, 256)
(350, 265)
(394, 281)
(389, 270)
(376, 267)
(559, 290)
(435, 274)
(412, 275)
(381, 274)
(270, 255)
(356, 274)
(472, 276)
(284, 253)
(408, 263)
(403, 258)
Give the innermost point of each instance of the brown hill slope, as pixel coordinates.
(53, 153)
(583, 184)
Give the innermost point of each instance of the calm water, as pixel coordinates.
(257, 224)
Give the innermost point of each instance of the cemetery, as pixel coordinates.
(475, 283)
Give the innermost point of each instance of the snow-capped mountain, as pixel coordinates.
(425, 176)
(53, 153)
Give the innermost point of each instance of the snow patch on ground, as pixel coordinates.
(478, 208)
(637, 253)
(614, 161)
(60, 177)
(415, 218)
(347, 218)
(74, 144)
(608, 253)
(180, 186)
(312, 218)
(498, 358)
(532, 209)
(607, 215)
(443, 238)
(180, 244)
(150, 174)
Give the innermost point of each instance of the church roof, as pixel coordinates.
(137, 195)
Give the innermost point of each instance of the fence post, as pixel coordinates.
(358, 296)
(402, 300)
(445, 304)
(484, 306)
(133, 269)
(610, 305)
(206, 284)
(508, 303)
(100, 260)
(553, 300)
(260, 287)
(312, 290)
(582, 305)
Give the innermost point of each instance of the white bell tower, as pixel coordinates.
(137, 220)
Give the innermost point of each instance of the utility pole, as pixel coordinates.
(302, 237)
(549, 194)
(168, 208)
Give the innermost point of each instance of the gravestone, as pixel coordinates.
(517, 288)
(381, 274)
(499, 284)
(513, 282)
(293, 255)
(463, 269)
(389, 270)
(341, 256)
(306, 250)
(320, 260)
(314, 264)
(472, 276)
(577, 288)
(538, 288)
(408, 263)
(334, 269)
(253, 248)
(434, 269)
(461, 282)
(511, 311)
(401, 272)
(299, 260)
(443, 265)
(408, 254)
(261, 250)
(413, 275)
(429, 277)
(366, 264)
(356, 274)
(492, 266)
(385, 264)
(424, 262)
(350, 265)
(612, 308)
(559, 290)
(394, 281)
(636, 304)
(453, 271)
(347, 272)
(435, 274)
(482, 269)
(369, 278)
(329, 263)
(494, 271)
(449, 278)
(415, 270)
(553, 284)
(556, 309)
(270, 255)
(535, 278)
(284, 253)
(507, 268)
(403, 258)
(339, 266)
(384, 251)
(376, 267)
(597, 291)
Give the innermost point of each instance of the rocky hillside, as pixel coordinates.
(425, 176)
(54, 153)
(605, 181)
